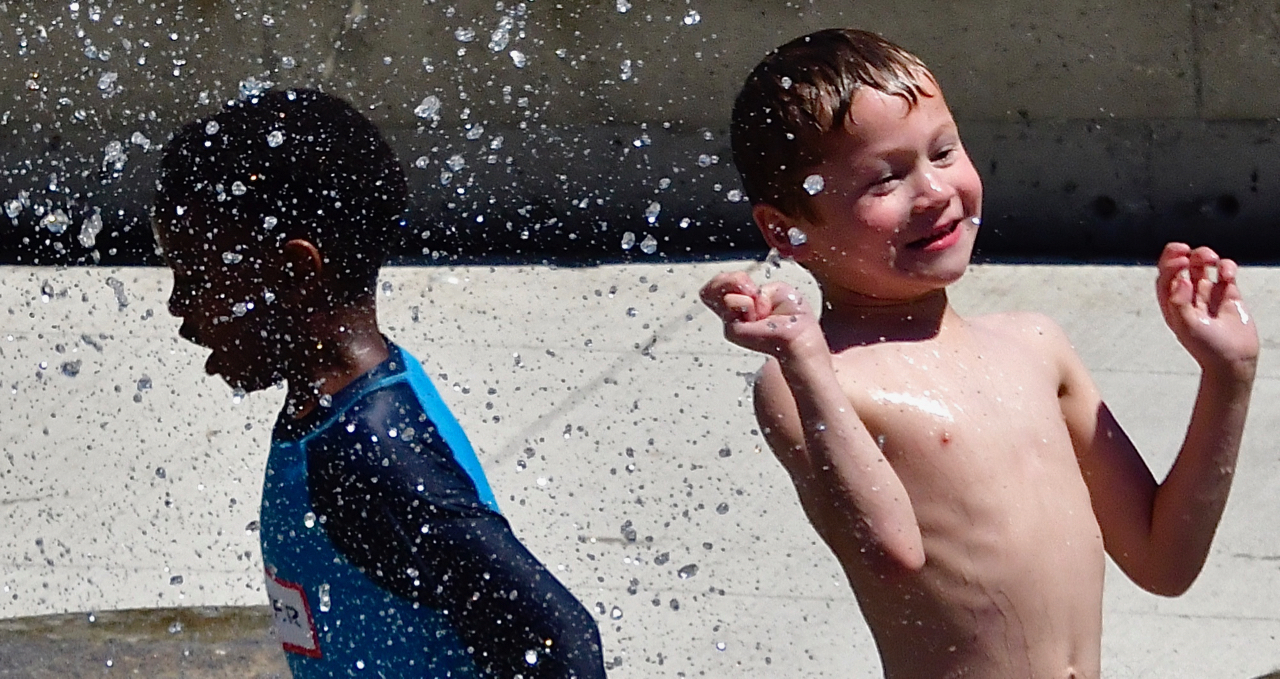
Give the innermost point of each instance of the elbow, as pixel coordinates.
(1168, 583)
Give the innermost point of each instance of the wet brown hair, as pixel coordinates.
(803, 91)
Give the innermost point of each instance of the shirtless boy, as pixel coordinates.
(964, 471)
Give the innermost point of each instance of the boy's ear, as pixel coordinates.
(303, 263)
(776, 225)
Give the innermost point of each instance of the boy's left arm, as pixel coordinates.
(1160, 534)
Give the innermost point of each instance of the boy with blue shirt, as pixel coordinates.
(385, 551)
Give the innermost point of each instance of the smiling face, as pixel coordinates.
(899, 204)
(225, 294)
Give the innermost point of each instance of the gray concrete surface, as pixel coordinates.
(615, 425)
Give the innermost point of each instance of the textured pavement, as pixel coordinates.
(615, 425)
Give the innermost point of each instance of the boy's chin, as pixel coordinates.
(239, 378)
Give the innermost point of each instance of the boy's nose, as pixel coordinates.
(932, 192)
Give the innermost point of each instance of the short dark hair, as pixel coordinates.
(290, 164)
(801, 92)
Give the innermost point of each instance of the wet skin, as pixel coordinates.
(965, 472)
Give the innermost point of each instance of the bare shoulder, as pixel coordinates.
(1034, 331)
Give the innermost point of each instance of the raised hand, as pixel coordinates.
(1207, 316)
(772, 319)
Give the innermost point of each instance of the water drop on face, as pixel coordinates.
(813, 184)
(429, 108)
(796, 237)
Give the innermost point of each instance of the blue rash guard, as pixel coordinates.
(386, 555)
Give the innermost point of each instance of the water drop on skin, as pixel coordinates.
(977, 221)
(1244, 315)
(796, 237)
(813, 184)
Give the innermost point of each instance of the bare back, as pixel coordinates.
(970, 421)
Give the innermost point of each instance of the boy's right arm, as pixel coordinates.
(847, 487)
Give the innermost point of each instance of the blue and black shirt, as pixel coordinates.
(386, 554)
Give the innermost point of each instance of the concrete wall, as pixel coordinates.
(1101, 128)
(616, 427)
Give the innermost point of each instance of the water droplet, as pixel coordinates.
(977, 221)
(175, 627)
(692, 18)
(269, 222)
(455, 162)
(662, 559)
(616, 613)
(114, 157)
(56, 221)
(12, 209)
(241, 308)
(144, 383)
(359, 664)
(89, 229)
(623, 6)
(786, 82)
(429, 108)
(309, 520)
(651, 213)
(628, 240)
(251, 527)
(625, 71)
(325, 602)
(107, 82)
(720, 646)
(704, 160)
(238, 188)
(175, 580)
(499, 39)
(518, 58)
(813, 184)
(531, 657)
(475, 132)
(631, 312)
(722, 508)
(687, 571)
(288, 62)
(465, 34)
(649, 245)
(796, 237)
(326, 401)
(212, 127)
(275, 139)
(734, 196)
(252, 87)
(268, 20)
(237, 395)
(232, 257)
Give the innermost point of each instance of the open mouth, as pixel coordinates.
(938, 239)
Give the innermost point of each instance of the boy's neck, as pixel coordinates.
(340, 345)
(850, 319)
